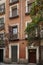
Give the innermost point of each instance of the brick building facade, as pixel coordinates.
(14, 17)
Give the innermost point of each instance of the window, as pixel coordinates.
(14, 12)
(28, 6)
(1, 36)
(27, 22)
(2, 8)
(13, 1)
(13, 30)
(1, 22)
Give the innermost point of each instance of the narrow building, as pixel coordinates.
(14, 48)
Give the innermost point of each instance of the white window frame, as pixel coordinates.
(26, 6)
(16, 5)
(29, 21)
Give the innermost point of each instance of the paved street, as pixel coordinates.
(16, 64)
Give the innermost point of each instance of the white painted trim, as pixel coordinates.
(17, 6)
(3, 53)
(37, 52)
(29, 21)
(26, 5)
(16, 44)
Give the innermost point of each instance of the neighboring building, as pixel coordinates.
(14, 17)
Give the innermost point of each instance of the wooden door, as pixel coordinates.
(32, 55)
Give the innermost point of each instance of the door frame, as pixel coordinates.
(16, 44)
(3, 53)
(37, 52)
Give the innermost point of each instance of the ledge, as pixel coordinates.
(13, 40)
(14, 17)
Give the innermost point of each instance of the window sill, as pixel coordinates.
(14, 17)
(27, 13)
(14, 39)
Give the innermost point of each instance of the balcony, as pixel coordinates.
(2, 9)
(13, 37)
(13, 1)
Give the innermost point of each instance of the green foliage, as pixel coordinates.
(36, 14)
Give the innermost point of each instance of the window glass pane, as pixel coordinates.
(1, 21)
(29, 7)
(14, 12)
(14, 30)
(2, 7)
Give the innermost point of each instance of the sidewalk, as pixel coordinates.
(17, 64)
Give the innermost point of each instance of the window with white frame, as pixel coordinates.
(13, 30)
(27, 22)
(28, 6)
(2, 8)
(35, 31)
(14, 11)
(2, 22)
